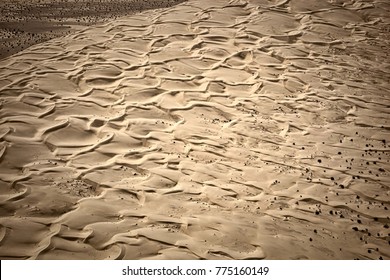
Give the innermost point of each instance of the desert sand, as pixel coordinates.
(26, 23)
(208, 130)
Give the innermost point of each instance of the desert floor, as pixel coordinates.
(207, 130)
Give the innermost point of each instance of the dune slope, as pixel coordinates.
(209, 130)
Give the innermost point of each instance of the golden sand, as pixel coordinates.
(209, 130)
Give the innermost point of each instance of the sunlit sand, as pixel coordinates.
(207, 130)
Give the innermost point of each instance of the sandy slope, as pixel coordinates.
(211, 130)
(26, 23)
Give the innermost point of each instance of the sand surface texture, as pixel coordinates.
(25, 23)
(209, 130)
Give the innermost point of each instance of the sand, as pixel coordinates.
(208, 130)
(26, 23)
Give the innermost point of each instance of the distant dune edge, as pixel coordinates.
(26, 23)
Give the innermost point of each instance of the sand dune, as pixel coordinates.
(26, 23)
(209, 130)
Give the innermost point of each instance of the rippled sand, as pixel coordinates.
(209, 130)
(26, 23)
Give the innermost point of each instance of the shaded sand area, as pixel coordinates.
(25, 23)
(209, 130)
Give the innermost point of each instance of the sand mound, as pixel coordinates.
(26, 23)
(210, 130)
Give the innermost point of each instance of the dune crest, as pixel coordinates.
(209, 130)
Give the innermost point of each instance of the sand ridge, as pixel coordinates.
(209, 130)
(26, 23)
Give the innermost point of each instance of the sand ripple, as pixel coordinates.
(209, 130)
